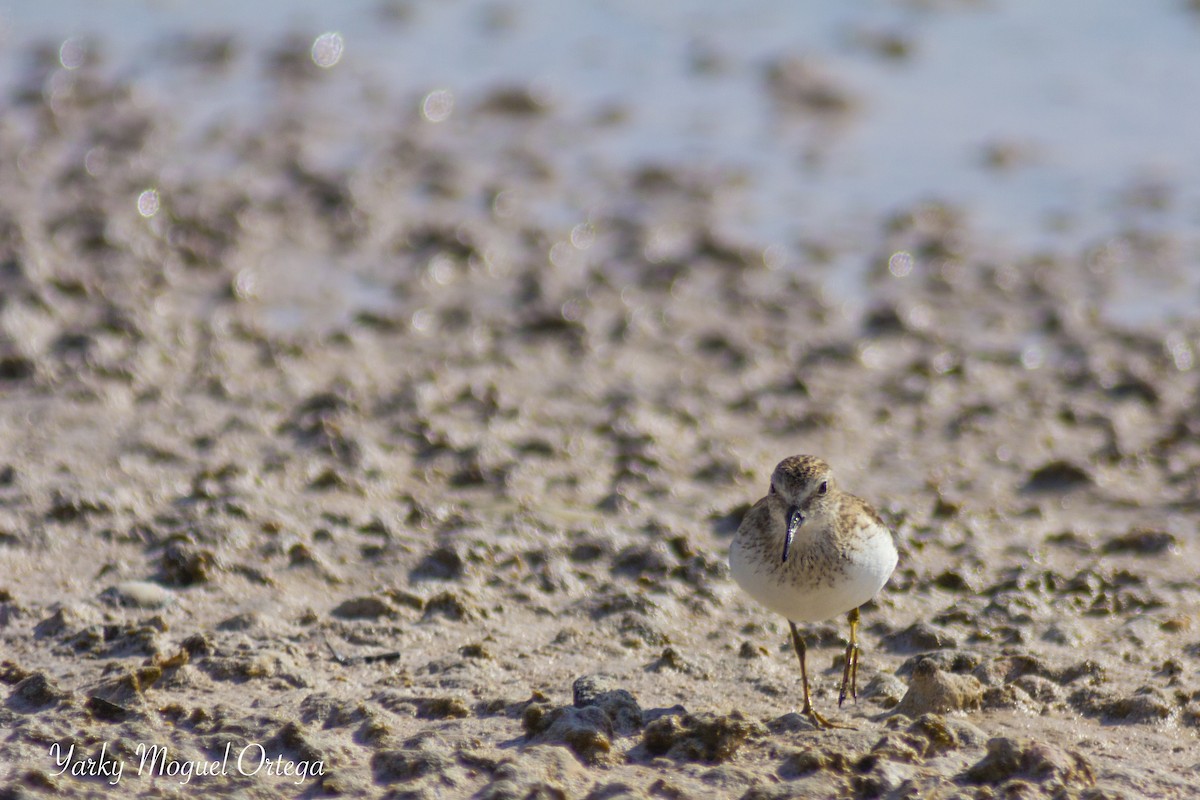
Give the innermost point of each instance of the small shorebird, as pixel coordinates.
(809, 551)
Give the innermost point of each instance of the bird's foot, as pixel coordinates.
(820, 721)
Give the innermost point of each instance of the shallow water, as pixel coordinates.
(1084, 110)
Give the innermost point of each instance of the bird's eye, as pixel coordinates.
(823, 488)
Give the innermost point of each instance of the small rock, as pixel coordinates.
(707, 737)
(933, 691)
(139, 594)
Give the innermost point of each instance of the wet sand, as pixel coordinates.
(376, 465)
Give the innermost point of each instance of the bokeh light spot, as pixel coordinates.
(71, 53)
(582, 236)
(900, 264)
(437, 105)
(327, 49)
(148, 203)
(1033, 357)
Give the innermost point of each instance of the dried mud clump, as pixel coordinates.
(427, 755)
(601, 713)
(1057, 476)
(1013, 760)
(587, 732)
(35, 692)
(933, 691)
(929, 736)
(369, 607)
(184, 564)
(602, 691)
(804, 762)
(900, 755)
(800, 86)
(1143, 542)
(539, 772)
(1146, 705)
(706, 737)
(919, 636)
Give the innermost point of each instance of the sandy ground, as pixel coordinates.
(468, 538)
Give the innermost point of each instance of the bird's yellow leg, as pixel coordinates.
(850, 671)
(817, 720)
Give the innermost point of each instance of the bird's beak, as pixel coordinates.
(795, 518)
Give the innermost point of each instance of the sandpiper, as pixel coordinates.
(809, 551)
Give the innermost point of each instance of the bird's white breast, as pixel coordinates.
(810, 593)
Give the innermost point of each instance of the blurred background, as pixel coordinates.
(1047, 127)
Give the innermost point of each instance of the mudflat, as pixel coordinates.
(370, 476)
